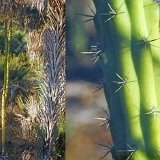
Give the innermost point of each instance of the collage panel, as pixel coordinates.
(79, 80)
(32, 79)
(113, 82)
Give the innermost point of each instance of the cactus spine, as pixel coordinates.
(129, 35)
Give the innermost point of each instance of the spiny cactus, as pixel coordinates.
(128, 34)
(54, 76)
(51, 79)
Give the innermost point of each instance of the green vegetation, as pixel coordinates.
(19, 68)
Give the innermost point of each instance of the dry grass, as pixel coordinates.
(16, 144)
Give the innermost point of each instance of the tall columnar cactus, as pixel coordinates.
(129, 52)
(6, 81)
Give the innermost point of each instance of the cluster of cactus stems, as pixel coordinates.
(128, 34)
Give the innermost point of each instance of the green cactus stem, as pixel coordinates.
(128, 31)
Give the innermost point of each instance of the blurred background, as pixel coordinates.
(83, 132)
